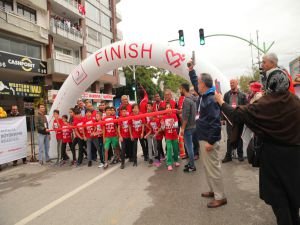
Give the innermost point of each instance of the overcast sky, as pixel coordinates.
(160, 20)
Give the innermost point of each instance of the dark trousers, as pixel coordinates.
(286, 215)
(229, 146)
(160, 151)
(80, 143)
(64, 155)
(126, 146)
(94, 152)
(196, 145)
(144, 145)
(101, 152)
(134, 149)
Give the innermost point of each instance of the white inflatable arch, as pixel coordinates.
(125, 53)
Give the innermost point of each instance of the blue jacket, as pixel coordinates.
(208, 126)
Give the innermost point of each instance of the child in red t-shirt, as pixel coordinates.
(66, 139)
(57, 124)
(110, 137)
(170, 125)
(99, 135)
(137, 132)
(90, 139)
(152, 128)
(125, 137)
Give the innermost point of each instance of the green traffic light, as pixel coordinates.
(181, 38)
(202, 42)
(201, 35)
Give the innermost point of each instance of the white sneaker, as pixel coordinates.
(100, 165)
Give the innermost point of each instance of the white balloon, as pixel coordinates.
(124, 53)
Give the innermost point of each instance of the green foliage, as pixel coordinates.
(245, 79)
(171, 81)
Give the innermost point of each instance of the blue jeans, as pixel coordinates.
(43, 141)
(89, 143)
(188, 142)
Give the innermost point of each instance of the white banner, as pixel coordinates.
(13, 139)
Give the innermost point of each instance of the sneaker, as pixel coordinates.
(100, 165)
(146, 159)
(226, 160)
(89, 163)
(115, 161)
(41, 162)
(157, 163)
(170, 168)
(177, 164)
(186, 165)
(134, 164)
(163, 159)
(150, 161)
(189, 169)
(73, 162)
(105, 165)
(196, 157)
(63, 162)
(122, 166)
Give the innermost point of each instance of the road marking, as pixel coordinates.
(64, 197)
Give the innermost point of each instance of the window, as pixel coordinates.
(92, 12)
(105, 21)
(105, 40)
(28, 13)
(106, 3)
(7, 5)
(92, 34)
(63, 50)
(20, 48)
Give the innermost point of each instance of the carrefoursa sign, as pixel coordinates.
(22, 63)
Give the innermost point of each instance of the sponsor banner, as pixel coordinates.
(13, 139)
(86, 95)
(17, 89)
(22, 63)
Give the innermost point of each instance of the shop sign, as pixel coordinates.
(22, 90)
(22, 63)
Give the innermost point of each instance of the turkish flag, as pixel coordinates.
(81, 9)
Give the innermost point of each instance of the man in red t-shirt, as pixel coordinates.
(170, 125)
(57, 124)
(125, 103)
(78, 134)
(144, 101)
(157, 102)
(125, 137)
(110, 137)
(137, 132)
(168, 99)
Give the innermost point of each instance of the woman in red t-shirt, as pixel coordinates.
(57, 124)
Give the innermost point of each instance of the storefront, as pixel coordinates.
(21, 82)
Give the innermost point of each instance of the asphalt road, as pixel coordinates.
(48, 195)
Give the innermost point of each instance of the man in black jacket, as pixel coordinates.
(234, 97)
(208, 126)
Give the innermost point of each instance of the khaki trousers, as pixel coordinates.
(212, 168)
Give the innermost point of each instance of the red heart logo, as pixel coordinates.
(174, 58)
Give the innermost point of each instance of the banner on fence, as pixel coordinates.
(13, 139)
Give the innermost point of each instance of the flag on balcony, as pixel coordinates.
(81, 9)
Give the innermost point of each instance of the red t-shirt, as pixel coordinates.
(180, 102)
(128, 108)
(94, 115)
(124, 128)
(110, 127)
(143, 103)
(58, 124)
(172, 102)
(156, 106)
(79, 122)
(169, 123)
(98, 130)
(66, 134)
(154, 125)
(89, 129)
(136, 127)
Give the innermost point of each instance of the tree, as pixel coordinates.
(171, 81)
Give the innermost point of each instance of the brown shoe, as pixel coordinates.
(217, 203)
(208, 195)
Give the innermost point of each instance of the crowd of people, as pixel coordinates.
(270, 110)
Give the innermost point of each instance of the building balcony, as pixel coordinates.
(64, 33)
(118, 17)
(62, 64)
(119, 35)
(21, 26)
(69, 8)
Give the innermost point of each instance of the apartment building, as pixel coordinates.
(42, 41)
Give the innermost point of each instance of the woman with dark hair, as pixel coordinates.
(275, 119)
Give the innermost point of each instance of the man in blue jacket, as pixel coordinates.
(208, 126)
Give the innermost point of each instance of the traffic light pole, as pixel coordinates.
(264, 50)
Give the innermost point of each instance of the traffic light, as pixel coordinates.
(201, 35)
(181, 38)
